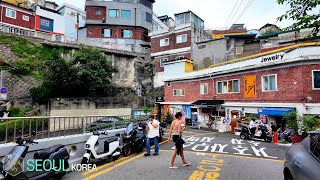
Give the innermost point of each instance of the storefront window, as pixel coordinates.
(316, 79)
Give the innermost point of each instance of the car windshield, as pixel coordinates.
(129, 128)
(315, 145)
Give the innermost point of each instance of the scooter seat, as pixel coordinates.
(45, 153)
(111, 139)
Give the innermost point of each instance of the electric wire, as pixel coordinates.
(244, 10)
(230, 13)
(234, 13)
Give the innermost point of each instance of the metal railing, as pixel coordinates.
(49, 127)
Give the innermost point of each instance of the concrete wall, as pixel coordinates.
(75, 145)
(70, 16)
(213, 52)
(88, 112)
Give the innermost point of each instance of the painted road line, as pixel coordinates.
(209, 168)
(111, 168)
(117, 165)
(230, 155)
(108, 164)
(200, 134)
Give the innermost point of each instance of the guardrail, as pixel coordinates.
(48, 127)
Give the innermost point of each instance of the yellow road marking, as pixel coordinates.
(117, 165)
(231, 155)
(111, 168)
(105, 165)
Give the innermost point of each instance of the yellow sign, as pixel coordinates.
(250, 87)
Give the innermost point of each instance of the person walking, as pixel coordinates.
(176, 130)
(153, 133)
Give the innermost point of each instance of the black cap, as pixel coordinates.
(151, 116)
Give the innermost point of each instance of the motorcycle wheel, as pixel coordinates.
(85, 160)
(268, 139)
(126, 151)
(242, 136)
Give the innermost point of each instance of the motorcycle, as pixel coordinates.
(112, 150)
(54, 162)
(246, 133)
(133, 139)
(162, 127)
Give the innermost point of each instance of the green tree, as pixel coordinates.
(301, 12)
(88, 73)
(93, 72)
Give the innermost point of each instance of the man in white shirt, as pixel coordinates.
(252, 126)
(153, 133)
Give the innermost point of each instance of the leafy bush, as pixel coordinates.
(293, 121)
(310, 123)
(19, 112)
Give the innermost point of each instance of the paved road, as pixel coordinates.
(212, 155)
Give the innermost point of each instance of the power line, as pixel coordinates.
(235, 13)
(231, 13)
(244, 10)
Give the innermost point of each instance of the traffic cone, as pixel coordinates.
(275, 138)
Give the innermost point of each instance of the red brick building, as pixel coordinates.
(17, 20)
(123, 24)
(283, 79)
(176, 41)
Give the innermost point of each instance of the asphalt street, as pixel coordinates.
(212, 156)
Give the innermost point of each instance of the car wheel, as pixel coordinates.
(287, 175)
(242, 136)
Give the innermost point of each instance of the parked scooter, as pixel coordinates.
(112, 150)
(133, 139)
(54, 159)
(246, 133)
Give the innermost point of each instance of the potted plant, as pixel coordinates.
(293, 122)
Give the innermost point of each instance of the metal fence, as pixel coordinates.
(48, 127)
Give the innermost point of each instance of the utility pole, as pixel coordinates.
(78, 25)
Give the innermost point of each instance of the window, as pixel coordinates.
(126, 14)
(231, 86)
(316, 79)
(106, 32)
(148, 17)
(11, 13)
(126, 33)
(162, 61)
(202, 46)
(44, 22)
(25, 18)
(239, 50)
(114, 13)
(204, 88)
(315, 145)
(182, 38)
(178, 92)
(97, 12)
(269, 83)
(164, 42)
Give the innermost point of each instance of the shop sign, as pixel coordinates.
(250, 87)
(272, 58)
(159, 99)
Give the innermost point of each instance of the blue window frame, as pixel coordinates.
(113, 13)
(126, 14)
(148, 17)
(46, 24)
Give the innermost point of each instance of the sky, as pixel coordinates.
(216, 12)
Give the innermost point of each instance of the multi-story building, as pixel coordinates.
(176, 41)
(234, 29)
(74, 19)
(269, 84)
(49, 24)
(123, 24)
(17, 20)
